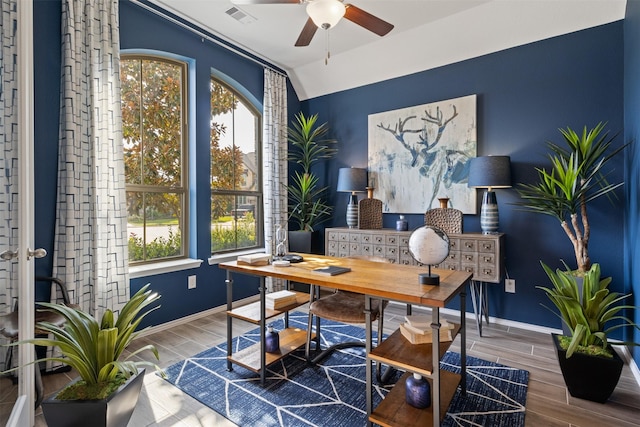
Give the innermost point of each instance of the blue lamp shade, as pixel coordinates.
(352, 180)
(490, 172)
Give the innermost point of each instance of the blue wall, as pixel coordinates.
(632, 133)
(141, 29)
(524, 95)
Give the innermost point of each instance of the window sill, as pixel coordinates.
(232, 256)
(163, 267)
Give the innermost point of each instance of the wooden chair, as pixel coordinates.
(345, 307)
(9, 327)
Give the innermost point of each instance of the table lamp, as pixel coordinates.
(490, 172)
(352, 180)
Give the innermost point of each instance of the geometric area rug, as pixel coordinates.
(333, 392)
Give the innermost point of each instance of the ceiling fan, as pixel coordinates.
(326, 14)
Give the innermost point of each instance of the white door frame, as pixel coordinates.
(24, 407)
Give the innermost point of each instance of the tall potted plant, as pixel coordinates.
(578, 175)
(109, 379)
(307, 203)
(590, 366)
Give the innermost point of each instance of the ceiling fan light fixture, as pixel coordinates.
(326, 13)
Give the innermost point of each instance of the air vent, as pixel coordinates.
(240, 15)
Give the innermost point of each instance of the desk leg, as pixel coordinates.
(463, 341)
(435, 355)
(229, 283)
(368, 345)
(263, 327)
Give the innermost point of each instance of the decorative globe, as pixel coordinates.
(430, 246)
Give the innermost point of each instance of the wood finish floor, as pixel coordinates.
(548, 402)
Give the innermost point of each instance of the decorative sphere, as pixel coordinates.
(429, 245)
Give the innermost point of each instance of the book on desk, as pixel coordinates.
(331, 270)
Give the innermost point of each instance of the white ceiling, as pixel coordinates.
(427, 34)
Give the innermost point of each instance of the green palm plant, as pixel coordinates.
(577, 176)
(587, 312)
(97, 350)
(307, 207)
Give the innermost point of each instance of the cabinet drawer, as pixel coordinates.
(487, 259)
(333, 236)
(454, 244)
(354, 248)
(486, 273)
(366, 250)
(379, 250)
(468, 245)
(378, 239)
(468, 257)
(391, 240)
(487, 246)
(366, 238)
(354, 238)
(343, 237)
(391, 252)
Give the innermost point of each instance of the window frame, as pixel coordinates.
(258, 193)
(184, 188)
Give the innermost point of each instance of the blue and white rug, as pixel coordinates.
(333, 393)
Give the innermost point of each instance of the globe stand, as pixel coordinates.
(429, 246)
(429, 278)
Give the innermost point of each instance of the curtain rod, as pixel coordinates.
(207, 36)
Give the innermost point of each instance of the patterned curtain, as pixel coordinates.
(90, 252)
(8, 156)
(274, 143)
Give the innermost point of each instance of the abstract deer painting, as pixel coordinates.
(419, 154)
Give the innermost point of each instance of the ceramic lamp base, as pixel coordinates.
(489, 213)
(352, 212)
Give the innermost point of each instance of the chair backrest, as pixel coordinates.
(448, 220)
(44, 289)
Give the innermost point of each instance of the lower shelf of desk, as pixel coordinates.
(394, 411)
(418, 358)
(290, 340)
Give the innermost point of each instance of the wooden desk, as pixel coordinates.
(374, 280)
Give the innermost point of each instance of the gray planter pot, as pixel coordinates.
(303, 241)
(114, 411)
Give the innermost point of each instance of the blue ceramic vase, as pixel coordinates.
(271, 340)
(418, 392)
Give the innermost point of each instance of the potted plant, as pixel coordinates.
(109, 380)
(307, 206)
(590, 366)
(578, 175)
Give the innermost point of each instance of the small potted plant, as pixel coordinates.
(590, 366)
(109, 380)
(307, 205)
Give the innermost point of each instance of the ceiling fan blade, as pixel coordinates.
(367, 20)
(264, 1)
(307, 33)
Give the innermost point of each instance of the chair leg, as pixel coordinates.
(307, 347)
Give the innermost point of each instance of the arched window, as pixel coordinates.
(236, 171)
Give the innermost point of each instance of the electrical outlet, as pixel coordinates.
(192, 282)
(510, 285)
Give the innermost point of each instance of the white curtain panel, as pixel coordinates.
(90, 252)
(8, 157)
(274, 148)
